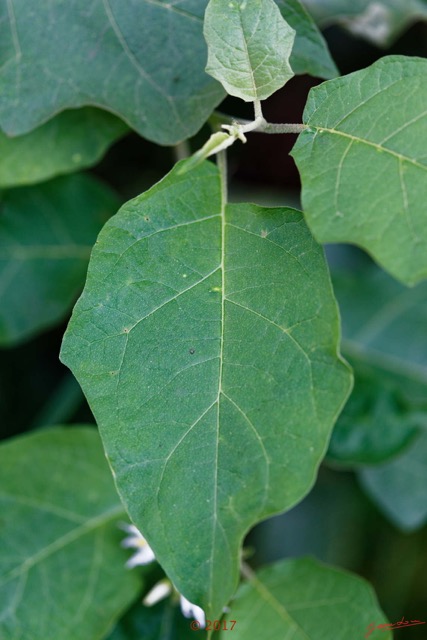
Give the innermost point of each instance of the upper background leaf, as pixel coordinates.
(73, 140)
(310, 53)
(249, 46)
(202, 333)
(380, 22)
(60, 543)
(371, 127)
(143, 59)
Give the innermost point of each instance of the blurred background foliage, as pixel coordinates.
(368, 509)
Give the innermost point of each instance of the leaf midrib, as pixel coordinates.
(221, 362)
(251, 68)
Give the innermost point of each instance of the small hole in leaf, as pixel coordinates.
(192, 351)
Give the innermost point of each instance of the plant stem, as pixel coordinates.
(222, 166)
(262, 126)
(271, 127)
(256, 125)
(259, 125)
(246, 571)
(258, 110)
(181, 150)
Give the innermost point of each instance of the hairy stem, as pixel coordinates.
(259, 125)
(258, 110)
(270, 127)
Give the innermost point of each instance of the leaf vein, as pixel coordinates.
(60, 543)
(369, 143)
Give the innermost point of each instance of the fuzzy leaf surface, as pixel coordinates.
(371, 126)
(204, 332)
(217, 142)
(249, 46)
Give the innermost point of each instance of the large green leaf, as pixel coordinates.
(73, 140)
(303, 599)
(62, 571)
(310, 53)
(46, 236)
(384, 341)
(379, 22)
(371, 126)
(143, 60)
(202, 333)
(249, 46)
(399, 487)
